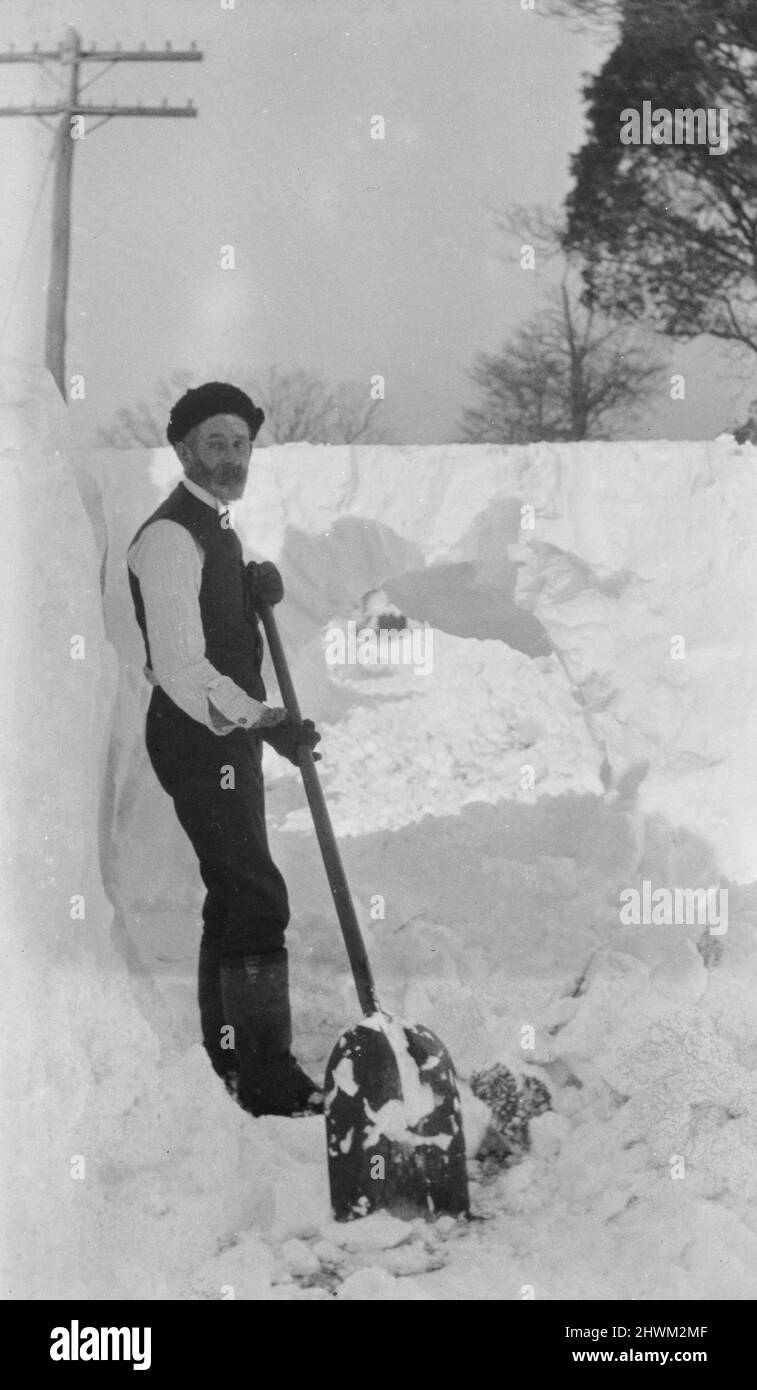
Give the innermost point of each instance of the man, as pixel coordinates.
(195, 601)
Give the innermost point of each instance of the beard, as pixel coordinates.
(226, 481)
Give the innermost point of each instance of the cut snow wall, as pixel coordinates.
(64, 984)
(637, 574)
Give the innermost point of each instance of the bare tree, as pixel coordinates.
(143, 425)
(299, 406)
(566, 375)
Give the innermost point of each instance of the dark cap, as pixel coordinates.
(214, 398)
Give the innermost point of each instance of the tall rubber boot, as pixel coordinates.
(213, 1020)
(255, 992)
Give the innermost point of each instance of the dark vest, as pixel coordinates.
(233, 643)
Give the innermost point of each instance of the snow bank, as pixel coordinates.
(64, 983)
(622, 569)
(487, 830)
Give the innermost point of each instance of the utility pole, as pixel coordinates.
(72, 126)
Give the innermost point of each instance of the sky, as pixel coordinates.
(353, 256)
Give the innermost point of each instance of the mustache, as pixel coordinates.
(233, 472)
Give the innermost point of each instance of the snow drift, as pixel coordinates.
(587, 721)
(625, 566)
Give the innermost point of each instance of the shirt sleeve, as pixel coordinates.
(168, 564)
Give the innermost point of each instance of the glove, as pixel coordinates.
(264, 583)
(285, 738)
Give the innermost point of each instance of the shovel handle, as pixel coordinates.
(332, 861)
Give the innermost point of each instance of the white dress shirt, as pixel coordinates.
(167, 561)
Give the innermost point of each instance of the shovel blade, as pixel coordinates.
(393, 1123)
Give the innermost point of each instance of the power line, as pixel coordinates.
(73, 114)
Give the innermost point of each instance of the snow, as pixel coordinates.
(418, 1099)
(490, 810)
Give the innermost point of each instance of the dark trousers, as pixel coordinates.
(216, 783)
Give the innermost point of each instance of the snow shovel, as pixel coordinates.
(394, 1129)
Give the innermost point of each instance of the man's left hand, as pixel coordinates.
(264, 584)
(285, 738)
